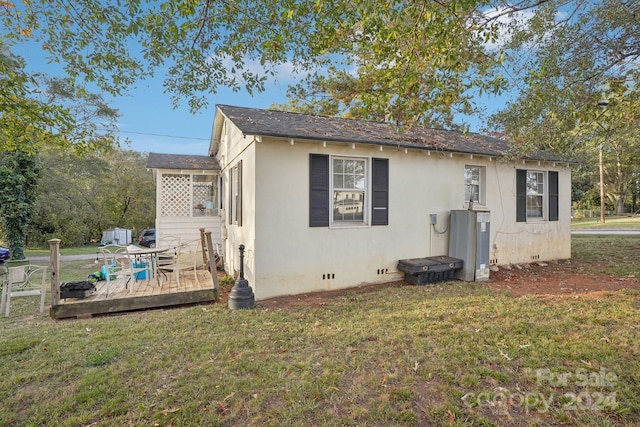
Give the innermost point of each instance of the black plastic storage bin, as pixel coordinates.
(422, 271)
(80, 289)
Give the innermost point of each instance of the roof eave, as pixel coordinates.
(216, 132)
(393, 144)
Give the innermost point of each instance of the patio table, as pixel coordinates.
(149, 255)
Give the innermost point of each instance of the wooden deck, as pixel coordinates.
(143, 295)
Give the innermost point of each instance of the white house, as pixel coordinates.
(326, 203)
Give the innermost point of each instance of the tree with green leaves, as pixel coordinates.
(84, 195)
(404, 62)
(569, 61)
(19, 173)
(618, 129)
(408, 63)
(38, 112)
(21, 121)
(562, 61)
(412, 62)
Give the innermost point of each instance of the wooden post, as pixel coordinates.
(212, 262)
(204, 248)
(54, 260)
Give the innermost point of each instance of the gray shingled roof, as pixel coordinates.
(252, 121)
(181, 162)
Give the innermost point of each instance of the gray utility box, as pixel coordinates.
(421, 271)
(469, 241)
(116, 236)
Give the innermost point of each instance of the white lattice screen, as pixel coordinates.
(176, 195)
(202, 192)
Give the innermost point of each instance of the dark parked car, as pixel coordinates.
(5, 254)
(148, 238)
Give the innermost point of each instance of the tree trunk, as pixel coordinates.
(620, 198)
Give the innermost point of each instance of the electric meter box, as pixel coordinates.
(469, 240)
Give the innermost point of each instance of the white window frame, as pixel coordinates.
(189, 210)
(204, 208)
(543, 196)
(482, 173)
(235, 192)
(366, 191)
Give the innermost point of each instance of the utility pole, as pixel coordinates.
(603, 103)
(601, 186)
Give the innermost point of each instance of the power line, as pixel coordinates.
(161, 135)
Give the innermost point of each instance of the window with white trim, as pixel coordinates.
(348, 189)
(204, 195)
(474, 184)
(235, 194)
(188, 195)
(535, 195)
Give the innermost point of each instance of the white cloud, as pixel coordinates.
(284, 73)
(506, 20)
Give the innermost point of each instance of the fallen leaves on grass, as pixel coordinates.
(169, 411)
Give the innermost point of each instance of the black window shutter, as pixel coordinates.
(239, 202)
(521, 195)
(231, 190)
(220, 200)
(318, 190)
(380, 188)
(553, 196)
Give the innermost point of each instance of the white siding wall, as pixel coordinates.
(523, 242)
(188, 228)
(286, 256)
(234, 148)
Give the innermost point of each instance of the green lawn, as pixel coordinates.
(617, 222)
(608, 254)
(450, 354)
(80, 250)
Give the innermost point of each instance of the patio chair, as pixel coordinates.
(22, 281)
(111, 255)
(217, 256)
(133, 267)
(169, 242)
(191, 254)
(172, 261)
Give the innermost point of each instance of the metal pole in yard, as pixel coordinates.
(54, 263)
(603, 104)
(601, 187)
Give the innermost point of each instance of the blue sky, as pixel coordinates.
(151, 124)
(149, 112)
